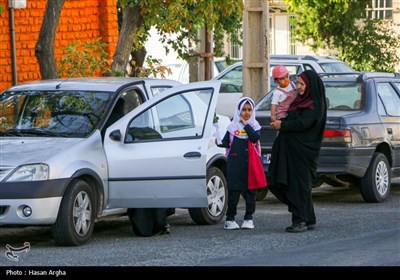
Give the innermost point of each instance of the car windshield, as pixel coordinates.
(232, 81)
(51, 113)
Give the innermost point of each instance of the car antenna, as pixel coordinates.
(59, 85)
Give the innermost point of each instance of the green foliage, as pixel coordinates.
(326, 22)
(341, 25)
(182, 19)
(154, 68)
(84, 60)
(1, 9)
(372, 48)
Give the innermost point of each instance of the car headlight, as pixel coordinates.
(32, 172)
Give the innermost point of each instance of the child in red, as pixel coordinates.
(243, 127)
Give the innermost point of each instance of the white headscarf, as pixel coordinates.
(236, 128)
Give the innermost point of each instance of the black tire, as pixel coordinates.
(217, 194)
(76, 216)
(375, 185)
(261, 194)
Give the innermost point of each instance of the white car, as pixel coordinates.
(63, 166)
(180, 69)
(232, 77)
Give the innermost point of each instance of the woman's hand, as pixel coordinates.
(243, 121)
(276, 124)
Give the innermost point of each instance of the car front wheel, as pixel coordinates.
(375, 185)
(217, 194)
(76, 216)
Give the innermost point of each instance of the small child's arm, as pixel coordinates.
(273, 112)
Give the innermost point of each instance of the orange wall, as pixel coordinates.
(82, 20)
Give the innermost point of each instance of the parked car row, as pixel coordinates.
(64, 164)
(76, 150)
(361, 144)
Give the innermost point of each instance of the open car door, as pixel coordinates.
(157, 153)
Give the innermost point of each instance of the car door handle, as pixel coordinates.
(192, 155)
(390, 131)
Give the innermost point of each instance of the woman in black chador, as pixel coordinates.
(295, 152)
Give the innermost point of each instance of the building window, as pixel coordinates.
(236, 49)
(380, 9)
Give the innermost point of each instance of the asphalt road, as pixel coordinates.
(349, 233)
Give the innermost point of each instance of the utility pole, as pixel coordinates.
(255, 49)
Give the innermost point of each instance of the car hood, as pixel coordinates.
(20, 150)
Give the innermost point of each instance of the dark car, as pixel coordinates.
(361, 145)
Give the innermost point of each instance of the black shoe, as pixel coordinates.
(310, 226)
(297, 227)
(164, 230)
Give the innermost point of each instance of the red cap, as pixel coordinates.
(279, 71)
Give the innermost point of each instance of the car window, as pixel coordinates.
(132, 98)
(158, 89)
(390, 98)
(265, 103)
(335, 67)
(232, 81)
(309, 67)
(175, 117)
(397, 85)
(381, 108)
(221, 65)
(343, 97)
(127, 101)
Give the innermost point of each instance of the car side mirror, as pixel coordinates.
(115, 135)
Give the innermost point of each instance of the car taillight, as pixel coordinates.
(337, 136)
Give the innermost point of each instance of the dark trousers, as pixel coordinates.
(233, 200)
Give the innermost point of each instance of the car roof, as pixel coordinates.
(308, 57)
(293, 57)
(356, 76)
(299, 60)
(111, 84)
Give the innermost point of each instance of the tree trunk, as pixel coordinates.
(132, 21)
(138, 57)
(44, 49)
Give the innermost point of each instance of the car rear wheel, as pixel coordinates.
(375, 185)
(217, 194)
(76, 216)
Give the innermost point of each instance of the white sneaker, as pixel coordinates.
(248, 224)
(231, 225)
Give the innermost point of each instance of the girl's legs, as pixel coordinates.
(250, 198)
(233, 200)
